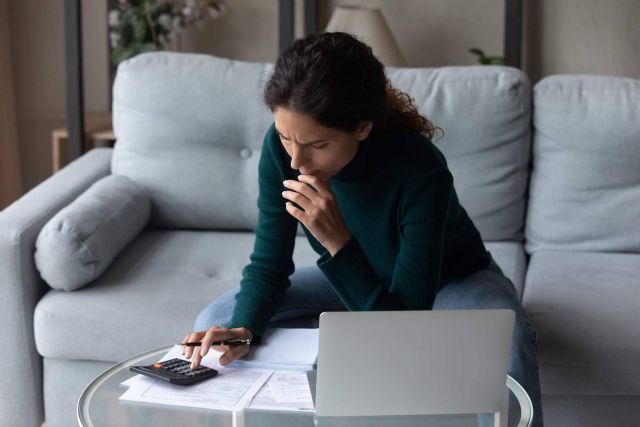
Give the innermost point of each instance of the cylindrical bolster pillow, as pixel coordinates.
(81, 240)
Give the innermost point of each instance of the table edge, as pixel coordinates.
(88, 390)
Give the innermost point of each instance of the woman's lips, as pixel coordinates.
(303, 172)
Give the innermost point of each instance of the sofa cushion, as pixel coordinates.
(152, 293)
(485, 112)
(149, 297)
(585, 308)
(585, 183)
(190, 128)
(81, 240)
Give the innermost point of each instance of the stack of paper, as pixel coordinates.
(283, 349)
(241, 385)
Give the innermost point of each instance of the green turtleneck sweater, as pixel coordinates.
(410, 236)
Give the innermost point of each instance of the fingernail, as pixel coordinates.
(223, 360)
(203, 352)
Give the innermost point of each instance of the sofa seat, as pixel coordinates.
(585, 308)
(120, 314)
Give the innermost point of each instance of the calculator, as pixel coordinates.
(176, 371)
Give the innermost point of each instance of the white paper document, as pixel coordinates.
(296, 398)
(283, 349)
(249, 383)
(290, 386)
(232, 390)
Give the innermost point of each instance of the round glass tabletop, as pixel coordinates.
(99, 404)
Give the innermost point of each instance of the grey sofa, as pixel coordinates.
(550, 175)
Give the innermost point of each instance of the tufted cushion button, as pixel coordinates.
(245, 153)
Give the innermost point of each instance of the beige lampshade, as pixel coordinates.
(371, 27)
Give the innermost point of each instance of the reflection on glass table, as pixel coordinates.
(99, 404)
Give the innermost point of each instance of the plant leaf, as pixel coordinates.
(140, 29)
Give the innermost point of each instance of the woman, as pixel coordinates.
(350, 158)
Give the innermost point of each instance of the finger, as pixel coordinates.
(182, 347)
(295, 212)
(298, 198)
(195, 361)
(234, 353)
(214, 334)
(193, 337)
(320, 185)
(300, 187)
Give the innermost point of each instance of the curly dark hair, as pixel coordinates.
(336, 79)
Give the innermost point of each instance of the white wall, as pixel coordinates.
(560, 36)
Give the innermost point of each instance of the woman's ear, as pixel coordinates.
(364, 128)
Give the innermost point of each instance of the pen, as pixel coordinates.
(229, 342)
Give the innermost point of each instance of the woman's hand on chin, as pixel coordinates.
(318, 210)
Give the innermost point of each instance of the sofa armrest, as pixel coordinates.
(21, 287)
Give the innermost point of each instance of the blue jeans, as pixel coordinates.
(311, 293)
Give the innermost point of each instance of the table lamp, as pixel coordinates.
(369, 24)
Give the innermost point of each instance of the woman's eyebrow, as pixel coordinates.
(305, 143)
(280, 133)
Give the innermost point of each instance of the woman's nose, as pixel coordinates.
(297, 159)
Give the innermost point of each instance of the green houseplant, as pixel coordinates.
(137, 26)
(484, 59)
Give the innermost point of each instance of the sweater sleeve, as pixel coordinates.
(266, 278)
(416, 274)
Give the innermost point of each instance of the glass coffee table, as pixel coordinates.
(99, 404)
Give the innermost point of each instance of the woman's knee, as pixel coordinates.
(218, 312)
(310, 290)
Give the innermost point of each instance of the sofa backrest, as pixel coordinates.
(585, 182)
(485, 112)
(190, 129)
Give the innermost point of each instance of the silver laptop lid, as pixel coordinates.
(412, 362)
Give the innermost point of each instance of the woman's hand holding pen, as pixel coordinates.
(229, 353)
(321, 214)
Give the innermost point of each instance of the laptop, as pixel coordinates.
(392, 363)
